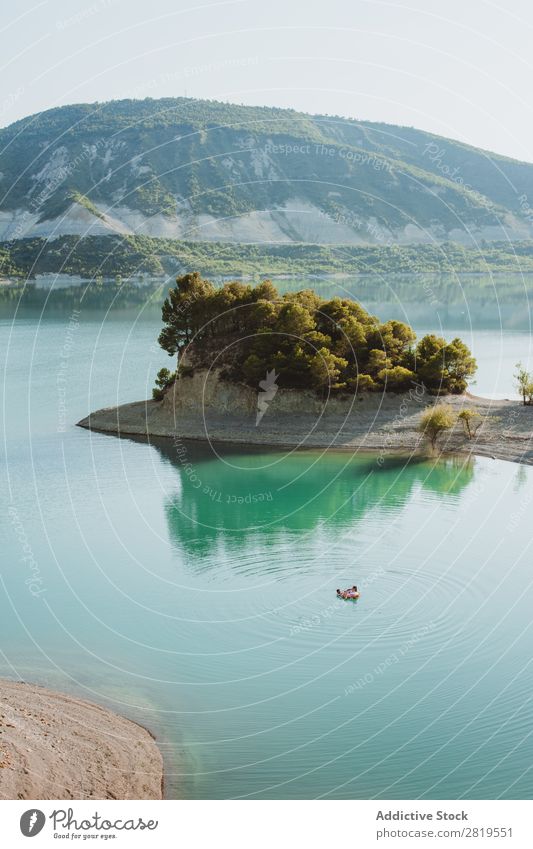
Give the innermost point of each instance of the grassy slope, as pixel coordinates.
(109, 256)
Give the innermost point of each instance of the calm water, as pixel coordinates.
(215, 622)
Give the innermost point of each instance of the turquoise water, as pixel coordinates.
(203, 604)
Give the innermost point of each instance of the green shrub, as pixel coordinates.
(471, 421)
(164, 379)
(436, 420)
(396, 379)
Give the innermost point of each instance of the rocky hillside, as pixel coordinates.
(207, 171)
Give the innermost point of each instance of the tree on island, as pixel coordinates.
(311, 342)
(524, 383)
(436, 420)
(164, 379)
(446, 364)
(182, 311)
(471, 421)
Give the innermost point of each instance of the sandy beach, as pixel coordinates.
(204, 407)
(54, 746)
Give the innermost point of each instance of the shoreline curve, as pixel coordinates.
(384, 423)
(57, 746)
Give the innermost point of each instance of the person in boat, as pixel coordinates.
(350, 593)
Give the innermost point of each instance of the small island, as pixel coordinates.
(296, 370)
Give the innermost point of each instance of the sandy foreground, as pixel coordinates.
(384, 423)
(54, 746)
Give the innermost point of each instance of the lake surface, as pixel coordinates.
(203, 605)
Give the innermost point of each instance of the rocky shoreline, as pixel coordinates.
(54, 746)
(208, 408)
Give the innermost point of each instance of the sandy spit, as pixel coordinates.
(383, 423)
(54, 746)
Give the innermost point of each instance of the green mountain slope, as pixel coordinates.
(207, 171)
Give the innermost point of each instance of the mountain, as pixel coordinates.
(206, 171)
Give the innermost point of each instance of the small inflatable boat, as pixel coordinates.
(349, 595)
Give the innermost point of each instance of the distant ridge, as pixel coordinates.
(199, 170)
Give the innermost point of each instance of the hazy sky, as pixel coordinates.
(462, 68)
